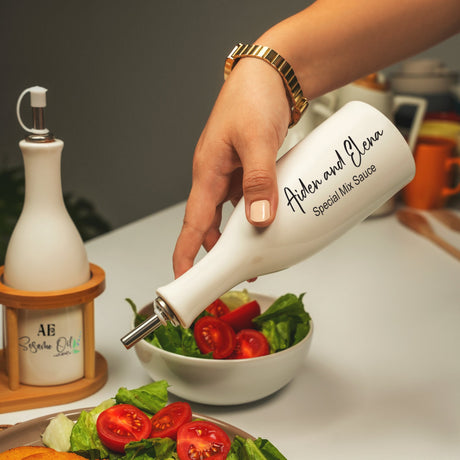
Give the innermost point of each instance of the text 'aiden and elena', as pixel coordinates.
(354, 152)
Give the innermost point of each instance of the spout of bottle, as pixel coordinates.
(162, 314)
(142, 330)
(38, 104)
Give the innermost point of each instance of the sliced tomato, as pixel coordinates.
(168, 420)
(121, 424)
(213, 335)
(250, 344)
(200, 439)
(241, 317)
(217, 308)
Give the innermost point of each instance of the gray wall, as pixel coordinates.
(131, 84)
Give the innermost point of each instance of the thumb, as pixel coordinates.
(260, 187)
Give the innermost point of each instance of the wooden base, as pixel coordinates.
(30, 397)
(95, 367)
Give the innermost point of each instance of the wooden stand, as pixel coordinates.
(16, 396)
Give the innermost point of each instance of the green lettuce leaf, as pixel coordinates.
(235, 299)
(84, 433)
(148, 398)
(285, 323)
(247, 449)
(269, 450)
(147, 449)
(174, 339)
(177, 339)
(57, 433)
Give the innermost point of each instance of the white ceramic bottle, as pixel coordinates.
(330, 181)
(46, 253)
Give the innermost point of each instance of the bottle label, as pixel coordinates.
(352, 154)
(356, 160)
(46, 341)
(51, 345)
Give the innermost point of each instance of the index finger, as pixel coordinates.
(198, 219)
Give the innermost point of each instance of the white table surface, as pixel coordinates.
(382, 379)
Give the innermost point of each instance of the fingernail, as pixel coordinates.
(260, 211)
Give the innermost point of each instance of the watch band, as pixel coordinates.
(298, 102)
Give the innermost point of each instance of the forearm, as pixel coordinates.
(334, 42)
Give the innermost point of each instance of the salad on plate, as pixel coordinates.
(139, 424)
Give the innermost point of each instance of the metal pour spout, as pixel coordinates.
(162, 314)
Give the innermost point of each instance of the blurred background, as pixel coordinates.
(130, 86)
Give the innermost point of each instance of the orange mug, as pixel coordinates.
(432, 182)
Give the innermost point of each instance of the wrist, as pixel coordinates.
(297, 102)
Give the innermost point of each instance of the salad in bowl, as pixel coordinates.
(243, 347)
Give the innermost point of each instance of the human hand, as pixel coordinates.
(235, 156)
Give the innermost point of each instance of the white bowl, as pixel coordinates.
(224, 382)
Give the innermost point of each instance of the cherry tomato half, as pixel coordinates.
(241, 317)
(213, 335)
(168, 420)
(250, 344)
(200, 439)
(121, 424)
(217, 308)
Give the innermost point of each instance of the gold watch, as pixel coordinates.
(298, 102)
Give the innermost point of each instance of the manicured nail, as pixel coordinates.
(260, 211)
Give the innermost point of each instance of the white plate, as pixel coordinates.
(29, 433)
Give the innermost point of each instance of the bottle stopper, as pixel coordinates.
(38, 103)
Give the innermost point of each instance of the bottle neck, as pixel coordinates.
(220, 270)
(42, 165)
